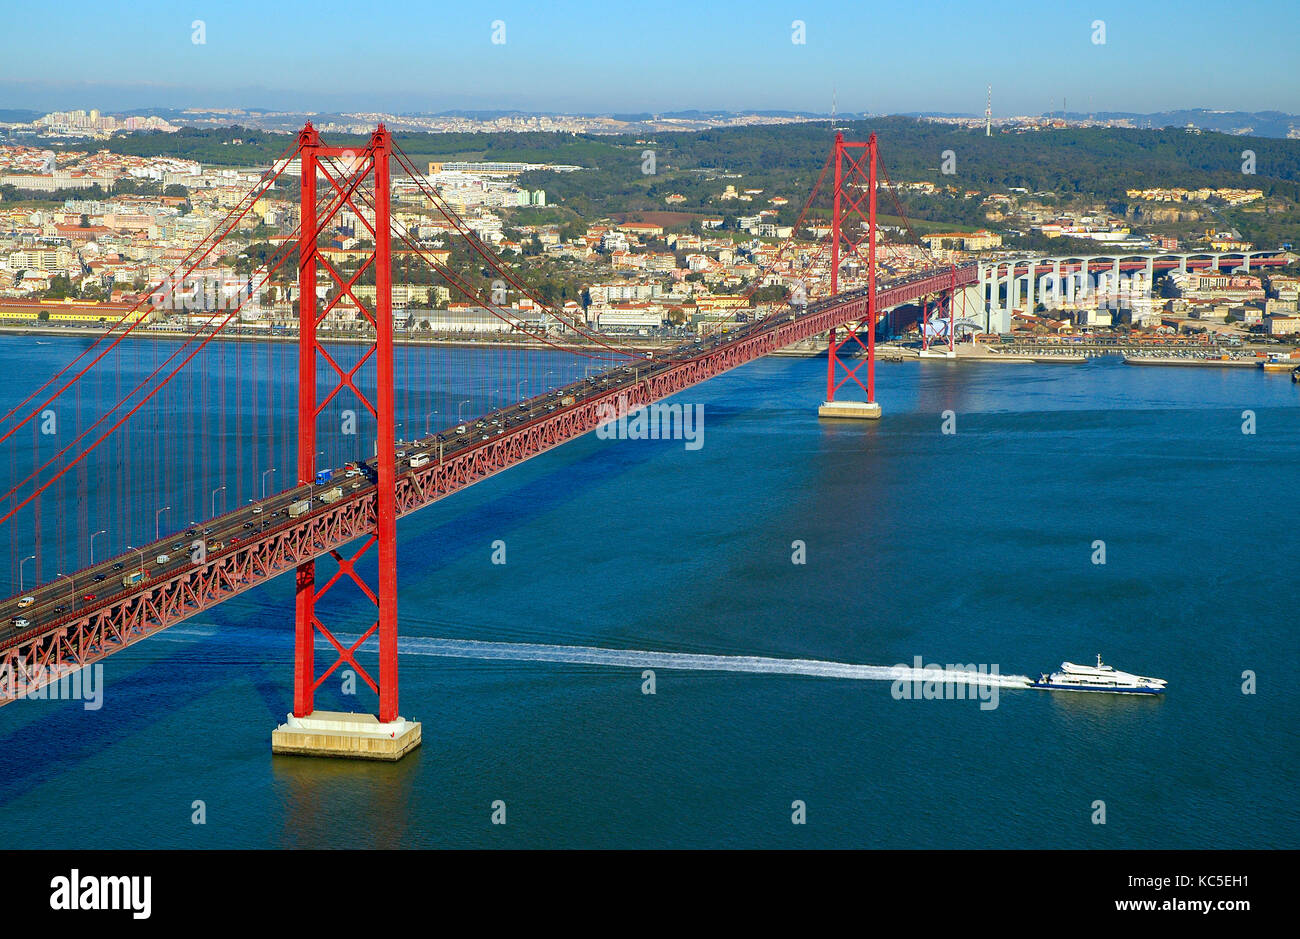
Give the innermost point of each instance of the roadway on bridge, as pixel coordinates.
(74, 596)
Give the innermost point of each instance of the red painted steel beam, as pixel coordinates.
(843, 153)
(872, 310)
(305, 582)
(386, 514)
(373, 163)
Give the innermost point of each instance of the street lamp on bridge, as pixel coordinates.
(73, 592)
(157, 516)
(102, 531)
(214, 500)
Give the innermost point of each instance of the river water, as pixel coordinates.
(977, 548)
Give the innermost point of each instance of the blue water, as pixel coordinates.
(970, 548)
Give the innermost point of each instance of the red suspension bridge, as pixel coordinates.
(199, 411)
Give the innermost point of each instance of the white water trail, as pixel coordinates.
(691, 661)
(485, 650)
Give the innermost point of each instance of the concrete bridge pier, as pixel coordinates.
(988, 294)
(850, 410)
(352, 736)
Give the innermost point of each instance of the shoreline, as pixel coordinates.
(86, 332)
(802, 349)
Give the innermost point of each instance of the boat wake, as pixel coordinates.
(690, 661)
(489, 651)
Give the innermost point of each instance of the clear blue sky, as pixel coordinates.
(657, 55)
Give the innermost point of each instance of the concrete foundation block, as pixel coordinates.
(347, 736)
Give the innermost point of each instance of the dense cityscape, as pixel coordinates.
(85, 233)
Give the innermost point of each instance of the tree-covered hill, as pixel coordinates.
(1100, 161)
(786, 159)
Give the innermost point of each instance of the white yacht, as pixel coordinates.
(1098, 677)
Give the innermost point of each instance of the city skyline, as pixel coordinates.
(577, 59)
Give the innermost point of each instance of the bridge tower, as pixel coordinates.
(308, 731)
(855, 183)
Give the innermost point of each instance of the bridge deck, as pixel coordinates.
(69, 629)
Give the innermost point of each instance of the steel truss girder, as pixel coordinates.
(125, 618)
